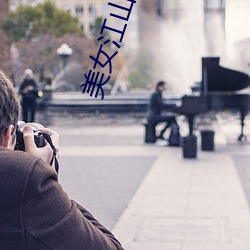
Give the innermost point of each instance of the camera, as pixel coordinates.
(38, 137)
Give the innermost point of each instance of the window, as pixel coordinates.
(160, 6)
(82, 26)
(92, 10)
(214, 4)
(79, 10)
(91, 27)
(67, 8)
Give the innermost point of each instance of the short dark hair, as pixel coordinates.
(159, 84)
(9, 104)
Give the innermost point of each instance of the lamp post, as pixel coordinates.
(64, 51)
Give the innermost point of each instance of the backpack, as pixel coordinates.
(174, 136)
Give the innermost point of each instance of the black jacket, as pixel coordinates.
(155, 104)
(32, 93)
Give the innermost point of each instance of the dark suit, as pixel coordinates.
(154, 111)
(36, 214)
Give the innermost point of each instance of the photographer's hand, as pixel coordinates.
(45, 153)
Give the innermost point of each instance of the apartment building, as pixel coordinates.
(87, 11)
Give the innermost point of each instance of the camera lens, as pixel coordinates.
(38, 137)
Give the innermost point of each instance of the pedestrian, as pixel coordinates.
(29, 92)
(35, 212)
(155, 108)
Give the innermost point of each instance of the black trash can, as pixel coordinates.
(207, 140)
(150, 133)
(189, 146)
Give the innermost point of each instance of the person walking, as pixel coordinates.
(29, 92)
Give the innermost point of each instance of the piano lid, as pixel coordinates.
(218, 78)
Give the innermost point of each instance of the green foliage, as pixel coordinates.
(141, 74)
(42, 18)
(97, 29)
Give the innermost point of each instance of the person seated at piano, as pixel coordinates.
(155, 107)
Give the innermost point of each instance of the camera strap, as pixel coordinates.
(48, 139)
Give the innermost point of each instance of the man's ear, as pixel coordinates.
(7, 139)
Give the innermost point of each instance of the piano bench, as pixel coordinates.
(207, 140)
(189, 147)
(150, 132)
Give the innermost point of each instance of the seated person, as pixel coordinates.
(36, 213)
(155, 107)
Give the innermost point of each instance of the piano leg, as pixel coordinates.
(243, 114)
(190, 123)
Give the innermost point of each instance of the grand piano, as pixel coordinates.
(220, 89)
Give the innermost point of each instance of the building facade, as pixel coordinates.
(87, 10)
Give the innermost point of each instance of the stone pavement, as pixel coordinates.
(197, 204)
(189, 204)
(175, 203)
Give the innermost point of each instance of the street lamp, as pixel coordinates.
(64, 51)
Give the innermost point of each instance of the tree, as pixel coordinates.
(42, 18)
(50, 27)
(97, 29)
(5, 63)
(40, 55)
(141, 73)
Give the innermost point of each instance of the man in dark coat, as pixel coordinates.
(155, 107)
(35, 212)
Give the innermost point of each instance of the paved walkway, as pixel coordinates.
(189, 204)
(181, 204)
